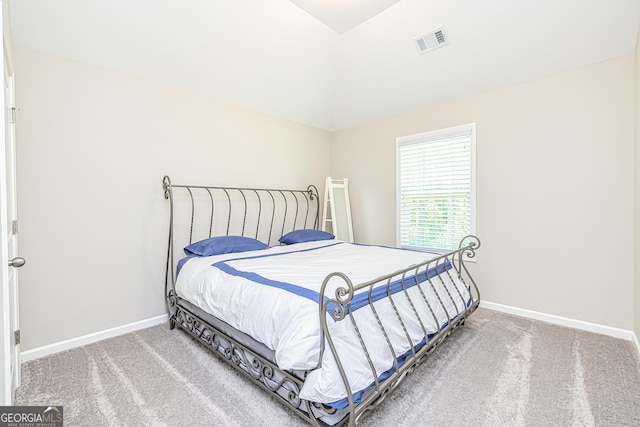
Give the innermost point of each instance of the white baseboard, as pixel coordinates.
(46, 350)
(563, 321)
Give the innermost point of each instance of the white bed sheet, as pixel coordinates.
(280, 309)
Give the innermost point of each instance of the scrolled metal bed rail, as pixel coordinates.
(335, 305)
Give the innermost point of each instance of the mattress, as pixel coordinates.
(272, 295)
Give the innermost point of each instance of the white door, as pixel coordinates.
(10, 342)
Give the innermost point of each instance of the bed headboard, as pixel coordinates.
(202, 211)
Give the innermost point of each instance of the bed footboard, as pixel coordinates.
(425, 288)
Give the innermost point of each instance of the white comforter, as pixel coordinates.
(272, 295)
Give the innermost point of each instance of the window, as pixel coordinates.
(436, 188)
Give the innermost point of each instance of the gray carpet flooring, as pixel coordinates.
(496, 370)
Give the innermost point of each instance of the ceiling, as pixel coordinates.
(275, 57)
(343, 15)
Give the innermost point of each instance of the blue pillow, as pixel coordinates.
(223, 245)
(305, 235)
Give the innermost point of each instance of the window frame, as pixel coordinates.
(435, 135)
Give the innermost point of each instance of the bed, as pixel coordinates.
(329, 328)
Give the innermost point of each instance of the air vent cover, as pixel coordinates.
(432, 40)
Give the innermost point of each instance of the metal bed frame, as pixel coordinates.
(267, 214)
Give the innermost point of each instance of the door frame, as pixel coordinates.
(9, 344)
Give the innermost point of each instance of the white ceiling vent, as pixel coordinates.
(432, 40)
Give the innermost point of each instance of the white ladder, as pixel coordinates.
(337, 209)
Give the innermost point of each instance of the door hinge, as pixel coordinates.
(12, 116)
(14, 226)
(16, 337)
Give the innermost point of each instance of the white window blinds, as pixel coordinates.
(436, 188)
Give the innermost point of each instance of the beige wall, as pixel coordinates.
(555, 161)
(555, 189)
(93, 148)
